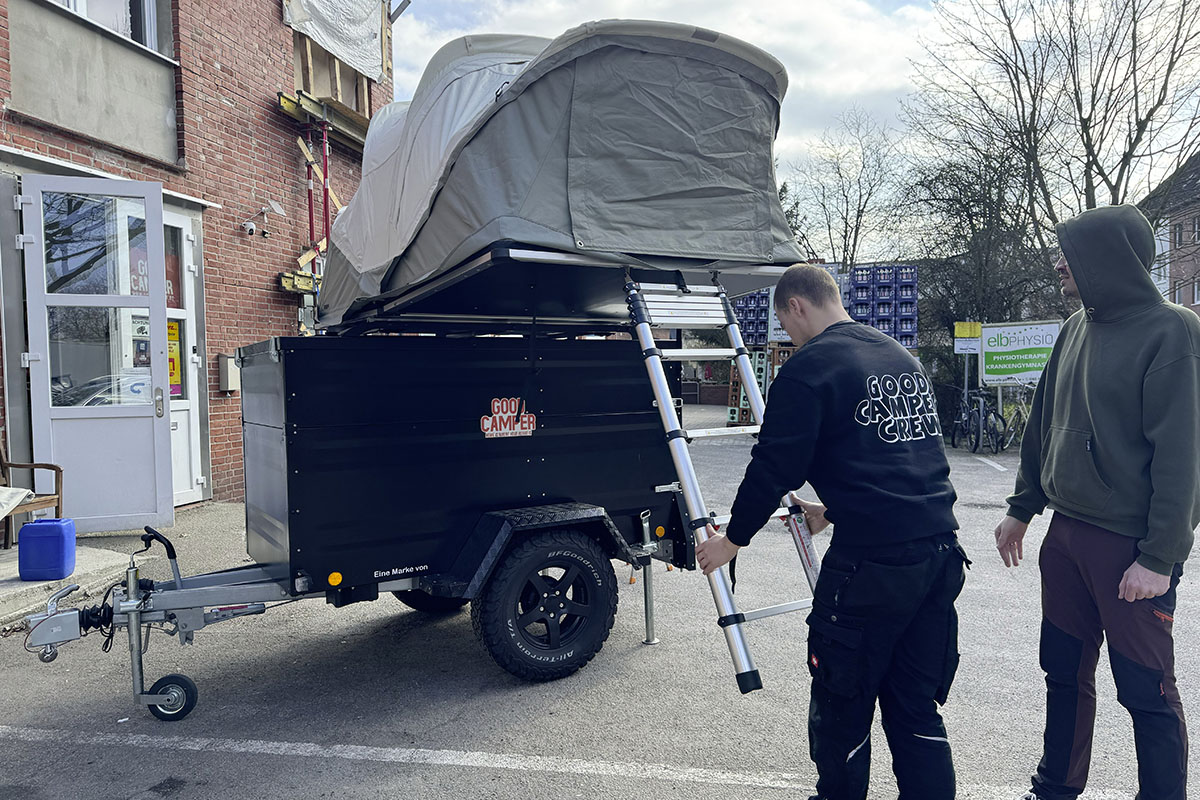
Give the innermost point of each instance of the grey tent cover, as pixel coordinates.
(647, 139)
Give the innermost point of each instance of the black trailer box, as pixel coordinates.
(377, 457)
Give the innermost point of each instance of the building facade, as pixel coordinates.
(161, 205)
(1175, 206)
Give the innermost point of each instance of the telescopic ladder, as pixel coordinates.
(683, 307)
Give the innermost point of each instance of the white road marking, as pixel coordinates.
(405, 755)
(992, 464)
(461, 758)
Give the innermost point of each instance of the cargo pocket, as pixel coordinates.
(835, 657)
(887, 590)
(1069, 470)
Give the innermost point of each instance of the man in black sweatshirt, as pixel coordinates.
(853, 414)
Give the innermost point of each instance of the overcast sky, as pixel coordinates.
(837, 54)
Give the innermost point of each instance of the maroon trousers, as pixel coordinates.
(1081, 568)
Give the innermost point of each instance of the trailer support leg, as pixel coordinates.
(648, 582)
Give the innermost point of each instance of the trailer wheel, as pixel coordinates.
(183, 696)
(549, 605)
(429, 603)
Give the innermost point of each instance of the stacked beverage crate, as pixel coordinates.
(753, 312)
(739, 403)
(885, 297)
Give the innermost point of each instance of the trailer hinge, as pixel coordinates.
(201, 480)
(24, 239)
(28, 358)
(21, 200)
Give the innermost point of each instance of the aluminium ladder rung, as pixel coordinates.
(672, 289)
(707, 433)
(699, 355)
(779, 513)
(782, 608)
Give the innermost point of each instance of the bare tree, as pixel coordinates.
(845, 188)
(1099, 98)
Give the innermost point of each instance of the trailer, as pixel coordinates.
(487, 416)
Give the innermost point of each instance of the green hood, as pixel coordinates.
(1110, 251)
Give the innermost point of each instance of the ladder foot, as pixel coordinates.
(749, 681)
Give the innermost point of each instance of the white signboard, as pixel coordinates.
(775, 331)
(1016, 353)
(966, 346)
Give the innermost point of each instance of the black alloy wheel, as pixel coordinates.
(549, 606)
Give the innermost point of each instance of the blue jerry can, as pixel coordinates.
(46, 550)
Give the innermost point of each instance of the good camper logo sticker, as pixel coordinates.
(508, 418)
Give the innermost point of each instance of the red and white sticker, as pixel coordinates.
(508, 418)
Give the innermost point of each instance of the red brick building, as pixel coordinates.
(206, 99)
(1175, 204)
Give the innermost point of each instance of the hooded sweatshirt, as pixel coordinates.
(1113, 437)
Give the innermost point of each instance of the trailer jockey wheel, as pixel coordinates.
(430, 604)
(549, 606)
(182, 693)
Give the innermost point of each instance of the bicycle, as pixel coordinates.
(1019, 418)
(961, 423)
(984, 425)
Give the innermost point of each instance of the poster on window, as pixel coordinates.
(139, 262)
(174, 358)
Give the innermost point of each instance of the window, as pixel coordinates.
(1196, 229)
(1195, 289)
(1177, 295)
(147, 22)
(1178, 234)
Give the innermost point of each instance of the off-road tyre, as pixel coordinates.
(546, 637)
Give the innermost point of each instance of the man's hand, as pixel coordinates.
(1139, 583)
(1010, 534)
(715, 552)
(814, 513)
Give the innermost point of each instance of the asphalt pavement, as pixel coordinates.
(375, 700)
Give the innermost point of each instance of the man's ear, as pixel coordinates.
(795, 306)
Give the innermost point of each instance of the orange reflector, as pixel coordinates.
(335, 579)
(660, 531)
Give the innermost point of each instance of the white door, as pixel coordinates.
(96, 299)
(183, 359)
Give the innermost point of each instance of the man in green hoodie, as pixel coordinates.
(1113, 447)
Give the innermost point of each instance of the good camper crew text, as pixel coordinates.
(508, 418)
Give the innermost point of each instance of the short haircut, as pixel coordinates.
(812, 283)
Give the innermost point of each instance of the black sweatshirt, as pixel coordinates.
(853, 414)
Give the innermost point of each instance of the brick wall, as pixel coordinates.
(238, 150)
(1185, 256)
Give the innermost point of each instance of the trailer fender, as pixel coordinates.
(498, 528)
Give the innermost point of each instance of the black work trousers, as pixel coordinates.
(883, 627)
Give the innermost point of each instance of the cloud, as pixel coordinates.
(837, 54)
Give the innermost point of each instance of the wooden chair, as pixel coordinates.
(34, 503)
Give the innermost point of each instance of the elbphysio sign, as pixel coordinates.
(1016, 352)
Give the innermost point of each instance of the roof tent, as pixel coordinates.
(618, 143)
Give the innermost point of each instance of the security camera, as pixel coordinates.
(249, 227)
